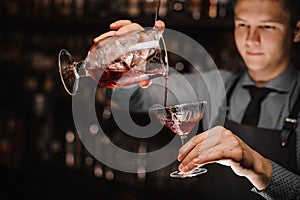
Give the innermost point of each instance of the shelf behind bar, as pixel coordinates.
(84, 24)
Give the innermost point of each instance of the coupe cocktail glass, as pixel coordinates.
(181, 119)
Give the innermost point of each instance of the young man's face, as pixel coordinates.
(263, 36)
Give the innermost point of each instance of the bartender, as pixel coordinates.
(255, 153)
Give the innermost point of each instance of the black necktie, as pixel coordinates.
(252, 112)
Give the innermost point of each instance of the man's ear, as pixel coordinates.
(297, 32)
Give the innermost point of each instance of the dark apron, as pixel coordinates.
(267, 143)
(224, 184)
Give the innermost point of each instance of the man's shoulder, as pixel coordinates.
(230, 76)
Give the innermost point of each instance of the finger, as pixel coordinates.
(120, 23)
(129, 28)
(226, 157)
(145, 84)
(208, 136)
(159, 24)
(219, 142)
(189, 146)
(104, 35)
(193, 157)
(193, 160)
(229, 152)
(213, 139)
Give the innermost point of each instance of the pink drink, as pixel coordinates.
(183, 128)
(181, 119)
(113, 78)
(128, 70)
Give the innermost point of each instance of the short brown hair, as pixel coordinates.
(292, 8)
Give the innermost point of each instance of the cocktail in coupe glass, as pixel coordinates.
(118, 61)
(181, 119)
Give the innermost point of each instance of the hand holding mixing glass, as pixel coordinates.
(118, 61)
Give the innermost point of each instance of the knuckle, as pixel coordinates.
(240, 154)
(234, 142)
(184, 163)
(137, 25)
(195, 140)
(226, 133)
(126, 21)
(221, 153)
(198, 148)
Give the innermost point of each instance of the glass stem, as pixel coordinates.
(184, 139)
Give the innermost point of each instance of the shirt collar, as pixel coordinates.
(281, 83)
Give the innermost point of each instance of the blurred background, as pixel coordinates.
(41, 155)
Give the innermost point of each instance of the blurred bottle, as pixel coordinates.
(134, 8)
(11, 140)
(195, 8)
(224, 9)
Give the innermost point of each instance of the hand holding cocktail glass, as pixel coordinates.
(181, 119)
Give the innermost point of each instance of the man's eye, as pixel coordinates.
(268, 27)
(241, 25)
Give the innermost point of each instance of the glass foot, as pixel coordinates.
(196, 172)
